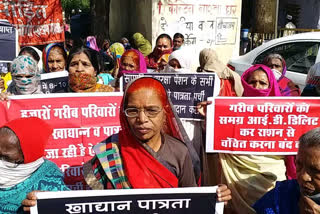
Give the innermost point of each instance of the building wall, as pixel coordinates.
(141, 17)
(118, 19)
(309, 14)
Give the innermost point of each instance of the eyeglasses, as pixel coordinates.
(148, 111)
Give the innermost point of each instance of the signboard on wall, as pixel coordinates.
(204, 24)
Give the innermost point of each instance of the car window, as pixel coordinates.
(299, 56)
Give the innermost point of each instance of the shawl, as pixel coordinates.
(142, 63)
(48, 177)
(46, 52)
(249, 91)
(209, 62)
(142, 44)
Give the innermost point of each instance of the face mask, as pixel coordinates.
(81, 81)
(276, 73)
(26, 85)
(13, 174)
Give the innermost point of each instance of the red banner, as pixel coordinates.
(260, 125)
(38, 21)
(80, 121)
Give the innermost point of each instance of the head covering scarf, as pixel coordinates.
(184, 60)
(25, 65)
(142, 68)
(116, 50)
(287, 87)
(46, 52)
(249, 91)
(33, 133)
(142, 44)
(209, 62)
(126, 44)
(142, 169)
(40, 63)
(153, 58)
(92, 43)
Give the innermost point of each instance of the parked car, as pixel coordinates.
(300, 51)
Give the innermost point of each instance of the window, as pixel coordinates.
(299, 56)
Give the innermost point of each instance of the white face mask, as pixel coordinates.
(13, 174)
(27, 85)
(276, 73)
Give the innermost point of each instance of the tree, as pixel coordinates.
(100, 18)
(76, 5)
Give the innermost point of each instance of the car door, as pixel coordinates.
(299, 57)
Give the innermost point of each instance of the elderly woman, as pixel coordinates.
(142, 44)
(230, 82)
(131, 62)
(54, 58)
(279, 68)
(251, 176)
(84, 65)
(22, 166)
(301, 195)
(151, 150)
(25, 77)
(163, 46)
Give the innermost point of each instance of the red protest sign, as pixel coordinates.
(260, 125)
(38, 21)
(80, 121)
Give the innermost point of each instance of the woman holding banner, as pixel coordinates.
(151, 150)
(84, 65)
(251, 176)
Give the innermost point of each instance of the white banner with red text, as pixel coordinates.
(261, 126)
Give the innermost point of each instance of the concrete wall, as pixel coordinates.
(140, 17)
(118, 19)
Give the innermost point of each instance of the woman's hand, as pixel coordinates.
(308, 206)
(30, 201)
(4, 96)
(202, 107)
(224, 194)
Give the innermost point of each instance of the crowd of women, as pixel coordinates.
(155, 149)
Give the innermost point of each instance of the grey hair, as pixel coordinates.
(8, 131)
(310, 139)
(273, 56)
